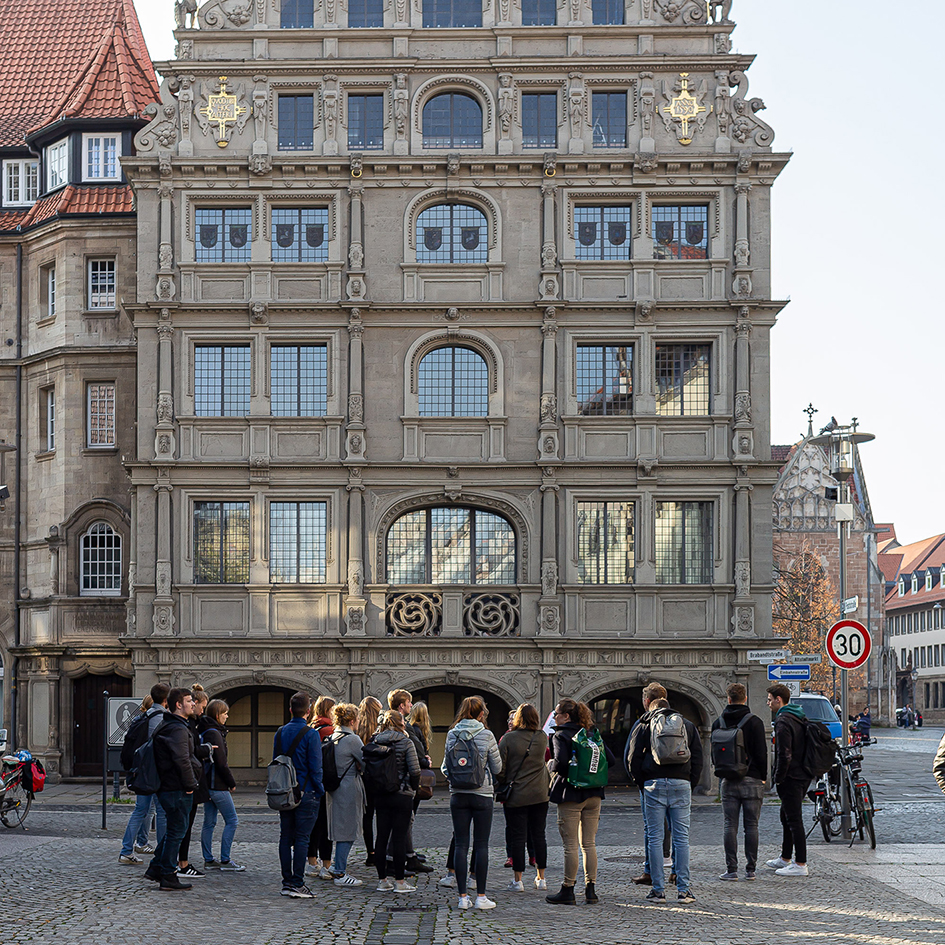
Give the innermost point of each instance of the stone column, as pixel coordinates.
(743, 438)
(743, 617)
(549, 604)
(131, 613)
(548, 410)
(355, 601)
(548, 286)
(741, 284)
(355, 445)
(330, 113)
(506, 98)
(577, 108)
(165, 434)
(163, 618)
(357, 286)
(165, 286)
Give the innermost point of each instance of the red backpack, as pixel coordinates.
(34, 777)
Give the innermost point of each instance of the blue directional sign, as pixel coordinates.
(799, 671)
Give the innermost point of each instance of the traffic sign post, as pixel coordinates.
(848, 644)
(784, 671)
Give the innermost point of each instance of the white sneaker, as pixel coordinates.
(516, 886)
(324, 873)
(385, 885)
(465, 902)
(792, 869)
(483, 902)
(129, 859)
(402, 886)
(449, 880)
(147, 848)
(777, 863)
(667, 861)
(312, 871)
(540, 883)
(346, 879)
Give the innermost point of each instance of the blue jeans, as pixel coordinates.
(221, 801)
(139, 824)
(672, 798)
(477, 810)
(342, 849)
(176, 806)
(646, 839)
(295, 831)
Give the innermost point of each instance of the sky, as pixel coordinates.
(861, 336)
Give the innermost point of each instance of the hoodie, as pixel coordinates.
(789, 738)
(755, 742)
(474, 729)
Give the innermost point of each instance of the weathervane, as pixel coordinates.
(222, 109)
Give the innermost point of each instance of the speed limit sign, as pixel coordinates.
(848, 644)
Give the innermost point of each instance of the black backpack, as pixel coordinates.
(380, 768)
(729, 754)
(331, 779)
(135, 737)
(820, 750)
(143, 776)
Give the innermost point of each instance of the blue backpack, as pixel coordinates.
(465, 763)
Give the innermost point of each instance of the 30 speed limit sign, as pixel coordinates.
(848, 644)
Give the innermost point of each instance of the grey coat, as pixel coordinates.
(346, 805)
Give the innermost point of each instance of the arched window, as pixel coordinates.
(452, 120)
(101, 562)
(451, 546)
(452, 233)
(453, 382)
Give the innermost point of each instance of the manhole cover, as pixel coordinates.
(624, 859)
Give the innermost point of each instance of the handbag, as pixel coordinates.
(504, 792)
(427, 783)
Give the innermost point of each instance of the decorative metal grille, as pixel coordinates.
(414, 614)
(492, 615)
(221, 542)
(680, 232)
(453, 382)
(605, 534)
(101, 415)
(365, 117)
(297, 14)
(682, 380)
(296, 122)
(452, 233)
(539, 12)
(452, 13)
(607, 12)
(298, 542)
(604, 380)
(101, 560)
(609, 118)
(452, 120)
(365, 14)
(221, 380)
(540, 120)
(224, 235)
(298, 380)
(683, 542)
(602, 232)
(101, 283)
(299, 234)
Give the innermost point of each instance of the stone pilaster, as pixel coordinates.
(355, 445)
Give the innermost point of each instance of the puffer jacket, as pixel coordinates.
(471, 728)
(408, 765)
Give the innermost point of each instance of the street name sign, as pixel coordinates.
(850, 605)
(765, 656)
(807, 658)
(848, 644)
(781, 671)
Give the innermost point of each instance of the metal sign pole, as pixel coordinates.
(845, 799)
(104, 757)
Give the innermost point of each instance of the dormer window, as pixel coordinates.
(915, 583)
(20, 183)
(902, 587)
(100, 155)
(928, 580)
(57, 164)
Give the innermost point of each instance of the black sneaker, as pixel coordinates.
(191, 872)
(654, 896)
(173, 883)
(300, 892)
(686, 896)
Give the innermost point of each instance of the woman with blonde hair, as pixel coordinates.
(368, 711)
(320, 845)
(346, 803)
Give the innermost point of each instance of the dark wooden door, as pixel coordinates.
(88, 713)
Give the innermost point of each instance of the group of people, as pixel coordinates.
(373, 760)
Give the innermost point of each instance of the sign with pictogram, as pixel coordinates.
(782, 671)
(848, 644)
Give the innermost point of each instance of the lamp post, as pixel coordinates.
(840, 443)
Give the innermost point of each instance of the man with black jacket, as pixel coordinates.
(179, 769)
(667, 792)
(743, 794)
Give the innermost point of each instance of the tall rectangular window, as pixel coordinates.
(540, 120)
(224, 235)
(101, 286)
(607, 12)
(299, 234)
(602, 233)
(604, 380)
(100, 155)
(47, 418)
(296, 122)
(683, 380)
(609, 119)
(605, 542)
(57, 164)
(363, 14)
(297, 14)
(298, 379)
(221, 542)
(221, 380)
(539, 12)
(365, 122)
(20, 183)
(47, 292)
(680, 232)
(100, 415)
(683, 538)
(298, 542)
(452, 13)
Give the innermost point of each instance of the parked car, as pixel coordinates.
(820, 709)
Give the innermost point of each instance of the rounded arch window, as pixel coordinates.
(453, 381)
(450, 545)
(100, 561)
(452, 120)
(452, 233)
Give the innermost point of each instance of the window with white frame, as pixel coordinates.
(57, 164)
(20, 182)
(683, 538)
(47, 291)
(101, 562)
(221, 542)
(901, 590)
(47, 419)
(101, 287)
(605, 542)
(298, 542)
(915, 583)
(100, 155)
(928, 579)
(100, 415)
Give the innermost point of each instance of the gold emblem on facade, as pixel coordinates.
(684, 108)
(222, 109)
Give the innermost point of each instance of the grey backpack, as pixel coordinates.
(282, 783)
(669, 741)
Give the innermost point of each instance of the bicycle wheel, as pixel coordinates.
(865, 805)
(829, 816)
(15, 805)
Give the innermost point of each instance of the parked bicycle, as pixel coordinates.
(18, 777)
(846, 775)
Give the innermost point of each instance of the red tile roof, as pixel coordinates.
(781, 454)
(72, 199)
(889, 565)
(71, 58)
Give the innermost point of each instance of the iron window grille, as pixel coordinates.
(221, 380)
(100, 422)
(453, 382)
(20, 182)
(221, 542)
(101, 157)
(680, 231)
(224, 235)
(364, 14)
(365, 122)
(540, 120)
(298, 542)
(296, 122)
(605, 537)
(299, 234)
(683, 380)
(452, 233)
(609, 119)
(683, 538)
(452, 13)
(539, 12)
(604, 380)
(101, 561)
(607, 12)
(452, 120)
(451, 546)
(297, 14)
(101, 287)
(602, 233)
(298, 380)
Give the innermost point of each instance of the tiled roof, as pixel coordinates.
(10, 218)
(781, 454)
(72, 199)
(889, 565)
(71, 58)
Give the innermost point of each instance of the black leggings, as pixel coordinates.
(475, 809)
(367, 822)
(319, 845)
(527, 823)
(793, 835)
(393, 821)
